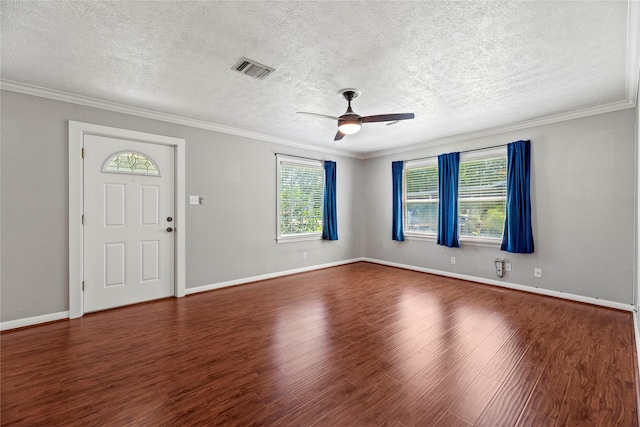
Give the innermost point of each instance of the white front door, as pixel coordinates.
(128, 222)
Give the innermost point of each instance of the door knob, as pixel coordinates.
(169, 219)
(169, 229)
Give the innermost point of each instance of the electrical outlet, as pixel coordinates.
(304, 255)
(537, 272)
(453, 260)
(194, 200)
(507, 266)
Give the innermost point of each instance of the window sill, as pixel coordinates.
(486, 242)
(299, 238)
(471, 241)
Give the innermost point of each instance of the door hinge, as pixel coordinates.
(83, 152)
(82, 219)
(83, 285)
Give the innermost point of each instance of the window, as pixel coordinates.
(300, 199)
(132, 163)
(420, 199)
(482, 193)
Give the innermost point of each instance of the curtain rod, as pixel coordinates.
(466, 151)
(298, 157)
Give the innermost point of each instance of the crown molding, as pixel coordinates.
(601, 109)
(149, 114)
(86, 101)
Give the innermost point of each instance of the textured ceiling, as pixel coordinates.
(459, 66)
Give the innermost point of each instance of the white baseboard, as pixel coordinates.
(557, 294)
(30, 321)
(245, 280)
(636, 330)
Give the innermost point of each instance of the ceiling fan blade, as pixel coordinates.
(317, 115)
(339, 136)
(387, 117)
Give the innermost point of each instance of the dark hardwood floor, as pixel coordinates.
(356, 345)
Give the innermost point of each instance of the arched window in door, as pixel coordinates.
(132, 163)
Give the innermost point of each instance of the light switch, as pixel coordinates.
(194, 200)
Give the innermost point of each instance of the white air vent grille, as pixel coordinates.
(252, 68)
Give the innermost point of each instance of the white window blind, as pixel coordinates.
(482, 194)
(420, 197)
(300, 197)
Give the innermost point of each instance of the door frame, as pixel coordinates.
(77, 131)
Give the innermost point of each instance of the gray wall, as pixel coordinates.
(231, 236)
(582, 194)
(583, 175)
(637, 248)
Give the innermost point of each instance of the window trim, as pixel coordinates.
(480, 154)
(291, 238)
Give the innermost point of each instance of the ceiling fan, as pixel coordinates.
(350, 122)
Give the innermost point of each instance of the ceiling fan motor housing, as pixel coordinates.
(349, 117)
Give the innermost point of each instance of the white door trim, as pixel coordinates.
(77, 130)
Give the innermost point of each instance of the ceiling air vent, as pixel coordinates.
(252, 68)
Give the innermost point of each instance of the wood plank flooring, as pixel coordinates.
(356, 345)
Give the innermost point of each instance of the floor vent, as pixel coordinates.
(252, 68)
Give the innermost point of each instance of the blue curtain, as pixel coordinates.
(329, 213)
(518, 236)
(448, 165)
(396, 174)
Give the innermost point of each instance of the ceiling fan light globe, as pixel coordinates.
(349, 128)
